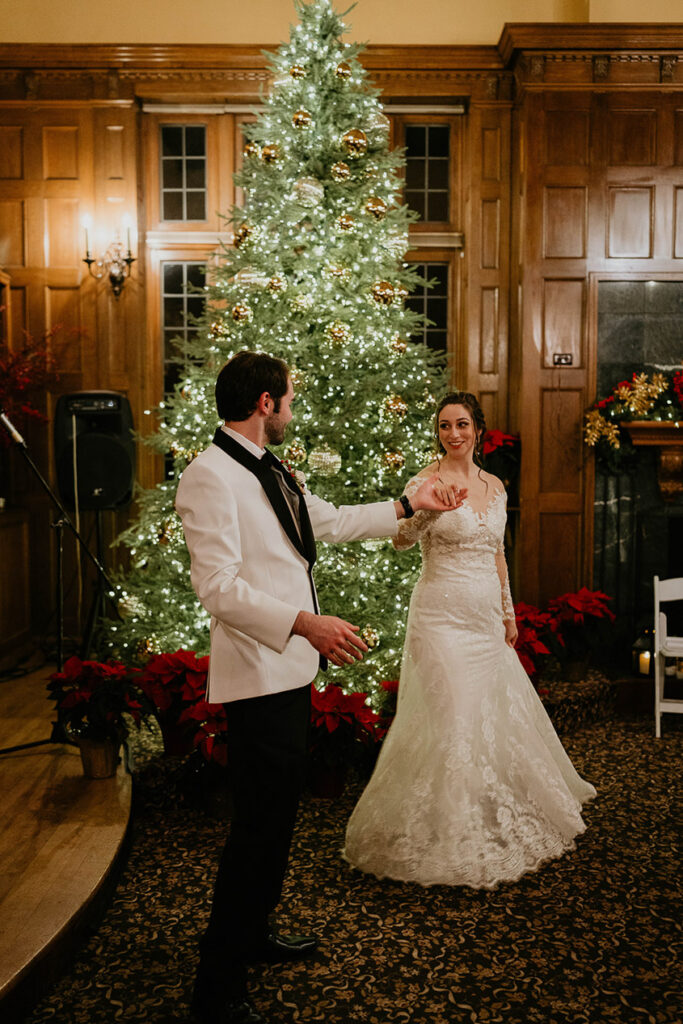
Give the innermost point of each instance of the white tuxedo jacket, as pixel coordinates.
(250, 577)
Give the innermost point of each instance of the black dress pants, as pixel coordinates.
(267, 748)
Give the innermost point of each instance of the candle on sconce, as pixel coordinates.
(86, 228)
(644, 663)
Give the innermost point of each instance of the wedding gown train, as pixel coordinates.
(472, 785)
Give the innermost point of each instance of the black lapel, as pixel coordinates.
(307, 535)
(261, 469)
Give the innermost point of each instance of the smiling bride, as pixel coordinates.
(472, 785)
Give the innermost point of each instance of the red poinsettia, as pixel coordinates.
(173, 681)
(211, 724)
(22, 373)
(338, 721)
(494, 439)
(91, 698)
(575, 607)
(677, 385)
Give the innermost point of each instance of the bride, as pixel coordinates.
(472, 785)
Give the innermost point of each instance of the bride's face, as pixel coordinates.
(456, 431)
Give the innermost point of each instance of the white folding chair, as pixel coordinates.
(665, 647)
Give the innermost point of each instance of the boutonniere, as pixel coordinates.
(297, 476)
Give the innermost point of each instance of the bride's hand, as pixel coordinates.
(436, 496)
(511, 632)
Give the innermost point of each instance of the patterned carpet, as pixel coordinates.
(591, 938)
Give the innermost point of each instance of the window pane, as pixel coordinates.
(438, 273)
(439, 140)
(173, 206)
(172, 174)
(196, 174)
(416, 201)
(438, 206)
(195, 140)
(173, 278)
(174, 312)
(196, 206)
(437, 340)
(171, 140)
(437, 311)
(196, 274)
(415, 141)
(438, 174)
(415, 173)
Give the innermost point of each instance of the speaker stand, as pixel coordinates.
(98, 605)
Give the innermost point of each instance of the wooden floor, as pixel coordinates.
(60, 835)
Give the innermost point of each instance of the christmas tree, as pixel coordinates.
(316, 277)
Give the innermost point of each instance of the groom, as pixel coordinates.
(251, 535)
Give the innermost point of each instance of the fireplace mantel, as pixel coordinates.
(667, 436)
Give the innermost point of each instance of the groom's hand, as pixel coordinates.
(435, 496)
(334, 638)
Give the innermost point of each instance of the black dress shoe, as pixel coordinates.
(234, 1011)
(277, 948)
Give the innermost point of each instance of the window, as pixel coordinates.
(179, 304)
(432, 303)
(428, 170)
(183, 172)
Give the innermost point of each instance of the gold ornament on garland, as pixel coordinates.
(340, 171)
(277, 284)
(393, 461)
(219, 329)
(297, 71)
(396, 405)
(309, 192)
(302, 302)
(243, 234)
(241, 313)
(251, 149)
(168, 530)
(383, 292)
(398, 345)
(400, 293)
(338, 333)
(130, 605)
(146, 648)
(345, 222)
(376, 207)
(325, 461)
(302, 119)
(270, 153)
(377, 126)
(343, 71)
(295, 453)
(298, 378)
(355, 142)
(370, 636)
(342, 274)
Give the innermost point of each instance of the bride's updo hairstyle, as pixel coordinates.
(471, 403)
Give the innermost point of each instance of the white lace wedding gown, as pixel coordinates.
(472, 785)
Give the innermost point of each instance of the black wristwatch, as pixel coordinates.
(407, 507)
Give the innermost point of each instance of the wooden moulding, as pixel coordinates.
(667, 436)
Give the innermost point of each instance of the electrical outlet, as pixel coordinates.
(562, 359)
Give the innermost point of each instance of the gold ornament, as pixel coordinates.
(325, 461)
(241, 313)
(355, 142)
(400, 293)
(383, 292)
(295, 452)
(376, 207)
(270, 153)
(377, 126)
(250, 277)
(130, 605)
(277, 284)
(309, 191)
(396, 244)
(297, 377)
(340, 171)
(396, 405)
(168, 530)
(302, 119)
(243, 234)
(343, 71)
(345, 222)
(146, 648)
(297, 71)
(393, 461)
(338, 333)
(398, 345)
(370, 636)
(251, 149)
(219, 330)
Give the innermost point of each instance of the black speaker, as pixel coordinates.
(105, 449)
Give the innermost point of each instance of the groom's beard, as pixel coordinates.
(275, 429)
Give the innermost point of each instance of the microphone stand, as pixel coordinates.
(58, 525)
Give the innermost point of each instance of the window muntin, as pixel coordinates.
(183, 172)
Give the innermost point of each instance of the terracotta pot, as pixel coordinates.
(100, 758)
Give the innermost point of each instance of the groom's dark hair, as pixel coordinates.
(243, 380)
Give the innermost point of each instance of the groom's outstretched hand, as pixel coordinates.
(332, 637)
(435, 496)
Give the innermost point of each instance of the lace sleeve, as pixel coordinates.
(505, 595)
(410, 530)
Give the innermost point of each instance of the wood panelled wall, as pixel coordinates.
(569, 166)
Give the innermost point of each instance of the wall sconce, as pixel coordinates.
(113, 262)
